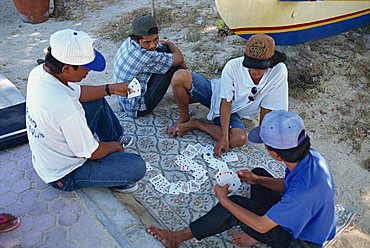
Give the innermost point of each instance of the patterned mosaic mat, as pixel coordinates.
(177, 211)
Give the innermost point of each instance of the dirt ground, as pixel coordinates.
(335, 105)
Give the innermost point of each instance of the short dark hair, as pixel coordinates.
(295, 154)
(53, 64)
(151, 31)
(277, 58)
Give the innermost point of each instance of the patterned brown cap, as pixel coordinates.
(260, 46)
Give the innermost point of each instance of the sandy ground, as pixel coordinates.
(335, 109)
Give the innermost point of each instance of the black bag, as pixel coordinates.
(13, 126)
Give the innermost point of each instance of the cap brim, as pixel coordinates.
(252, 63)
(98, 64)
(254, 135)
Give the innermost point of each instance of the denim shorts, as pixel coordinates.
(201, 91)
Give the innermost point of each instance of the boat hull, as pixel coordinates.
(293, 22)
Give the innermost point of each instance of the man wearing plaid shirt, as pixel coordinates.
(151, 61)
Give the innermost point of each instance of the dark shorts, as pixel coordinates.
(201, 91)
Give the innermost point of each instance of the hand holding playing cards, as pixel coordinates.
(222, 144)
(247, 176)
(222, 192)
(120, 89)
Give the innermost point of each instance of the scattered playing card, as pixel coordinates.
(135, 88)
(199, 173)
(229, 157)
(189, 154)
(148, 167)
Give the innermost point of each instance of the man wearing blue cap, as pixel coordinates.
(295, 211)
(63, 117)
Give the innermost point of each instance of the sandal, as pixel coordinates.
(8, 222)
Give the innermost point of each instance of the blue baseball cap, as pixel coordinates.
(279, 129)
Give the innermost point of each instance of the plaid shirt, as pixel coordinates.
(131, 62)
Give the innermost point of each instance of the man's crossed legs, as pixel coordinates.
(219, 219)
(190, 86)
(120, 170)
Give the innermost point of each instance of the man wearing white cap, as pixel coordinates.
(295, 211)
(63, 117)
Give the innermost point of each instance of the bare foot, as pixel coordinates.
(166, 237)
(173, 130)
(243, 239)
(183, 128)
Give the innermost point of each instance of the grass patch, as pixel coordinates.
(366, 164)
(81, 7)
(356, 129)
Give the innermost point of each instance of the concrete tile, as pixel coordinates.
(49, 194)
(25, 164)
(32, 239)
(4, 157)
(37, 208)
(9, 240)
(20, 186)
(68, 219)
(55, 235)
(4, 187)
(14, 175)
(44, 222)
(8, 198)
(79, 231)
(26, 224)
(21, 152)
(9, 166)
(29, 197)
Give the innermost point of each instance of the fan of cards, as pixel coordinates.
(135, 88)
(186, 163)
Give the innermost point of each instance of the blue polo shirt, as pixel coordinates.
(306, 209)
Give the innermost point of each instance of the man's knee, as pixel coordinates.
(181, 78)
(238, 139)
(140, 168)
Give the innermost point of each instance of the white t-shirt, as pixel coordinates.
(58, 134)
(236, 83)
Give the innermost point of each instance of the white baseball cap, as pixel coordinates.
(76, 48)
(279, 129)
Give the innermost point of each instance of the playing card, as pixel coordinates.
(228, 177)
(157, 180)
(199, 148)
(174, 189)
(192, 149)
(201, 180)
(184, 187)
(229, 157)
(217, 164)
(164, 187)
(148, 167)
(199, 173)
(207, 149)
(193, 186)
(189, 154)
(135, 88)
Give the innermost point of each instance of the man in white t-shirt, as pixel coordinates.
(63, 119)
(255, 83)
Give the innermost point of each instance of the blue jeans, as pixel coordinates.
(201, 91)
(118, 169)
